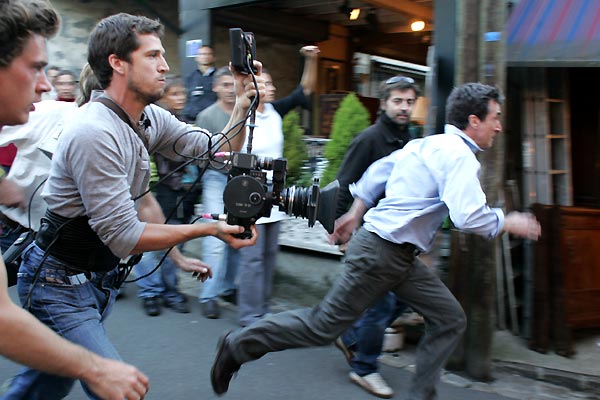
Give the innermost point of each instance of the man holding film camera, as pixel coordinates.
(70, 276)
(25, 26)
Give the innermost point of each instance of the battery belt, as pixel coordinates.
(72, 241)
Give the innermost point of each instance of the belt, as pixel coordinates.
(9, 222)
(410, 248)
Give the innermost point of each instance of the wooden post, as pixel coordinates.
(480, 52)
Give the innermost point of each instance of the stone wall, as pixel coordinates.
(69, 48)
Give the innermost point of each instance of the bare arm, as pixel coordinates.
(27, 341)
(245, 90)
(159, 236)
(149, 210)
(309, 75)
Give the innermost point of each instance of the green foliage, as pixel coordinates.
(294, 148)
(153, 173)
(349, 120)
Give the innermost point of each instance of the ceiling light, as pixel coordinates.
(417, 26)
(354, 13)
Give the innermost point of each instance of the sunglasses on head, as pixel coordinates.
(397, 79)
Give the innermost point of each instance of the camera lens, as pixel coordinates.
(255, 198)
(295, 201)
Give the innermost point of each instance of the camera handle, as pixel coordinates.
(251, 126)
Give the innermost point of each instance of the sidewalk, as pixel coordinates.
(309, 265)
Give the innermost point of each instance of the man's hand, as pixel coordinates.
(225, 232)
(310, 51)
(11, 194)
(114, 380)
(199, 270)
(522, 225)
(245, 89)
(343, 229)
(346, 224)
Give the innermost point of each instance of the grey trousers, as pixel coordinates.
(373, 267)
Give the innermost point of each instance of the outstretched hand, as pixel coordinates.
(115, 380)
(523, 225)
(199, 270)
(310, 51)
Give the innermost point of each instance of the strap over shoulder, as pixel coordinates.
(114, 107)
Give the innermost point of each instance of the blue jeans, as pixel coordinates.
(221, 258)
(76, 311)
(160, 283)
(256, 274)
(365, 336)
(8, 236)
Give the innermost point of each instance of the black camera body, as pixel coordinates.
(243, 50)
(247, 196)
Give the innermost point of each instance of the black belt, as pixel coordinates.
(410, 248)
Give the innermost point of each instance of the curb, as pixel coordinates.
(572, 380)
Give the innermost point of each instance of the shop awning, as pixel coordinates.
(554, 33)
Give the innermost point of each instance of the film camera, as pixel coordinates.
(247, 196)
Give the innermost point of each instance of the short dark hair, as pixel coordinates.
(397, 82)
(470, 99)
(117, 35)
(223, 71)
(173, 81)
(68, 72)
(19, 20)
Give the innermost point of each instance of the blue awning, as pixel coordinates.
(554, 33)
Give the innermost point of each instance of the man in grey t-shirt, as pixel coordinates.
(71, 274)
(221, 258)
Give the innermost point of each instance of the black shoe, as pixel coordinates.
(178, 306)
(230, 297)
(224, 367)
(210, 309)
(151, 306)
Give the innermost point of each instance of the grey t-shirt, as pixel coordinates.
(214, 119)
(101, 165)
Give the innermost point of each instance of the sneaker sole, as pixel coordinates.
(359, 382)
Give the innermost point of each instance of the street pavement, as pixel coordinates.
(176, 351)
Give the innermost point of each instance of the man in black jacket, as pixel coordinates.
(362, 343)
(199, 84)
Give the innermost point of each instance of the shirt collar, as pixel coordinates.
(451, 129)
(209, 71)
(395, 131)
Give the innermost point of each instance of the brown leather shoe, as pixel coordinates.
(224, 367)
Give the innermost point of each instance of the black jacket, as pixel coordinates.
(377, 141)
(199, 93)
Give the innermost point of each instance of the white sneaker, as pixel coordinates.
(373, 383)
